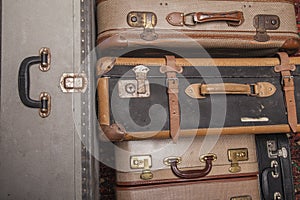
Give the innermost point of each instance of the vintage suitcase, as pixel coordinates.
(275, 168)
(192, 168)
(45, 156)
(221, 96)
(241, 167)
(223, 28)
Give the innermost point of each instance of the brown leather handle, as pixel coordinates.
(233, 18)
(190, 174)
(259, 89)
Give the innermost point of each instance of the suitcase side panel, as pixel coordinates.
(222, 189)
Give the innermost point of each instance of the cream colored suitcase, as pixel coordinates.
(223, 28)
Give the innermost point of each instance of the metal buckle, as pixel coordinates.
(286, 77)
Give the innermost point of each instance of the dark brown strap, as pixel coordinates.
(171, 71)
(233, 18)
(189, 174)
(285, 69)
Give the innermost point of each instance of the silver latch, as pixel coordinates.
(73, 82)
(135, 88)
(277, 196)
(274, 152)
(143, 162)
(275, 172)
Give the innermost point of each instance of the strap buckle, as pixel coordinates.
(172, 84)
(290, 77)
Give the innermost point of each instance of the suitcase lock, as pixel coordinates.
(142, 162)
(235, 156)
(146, 20)
(274, 152)
(135, 88)
(262, 23)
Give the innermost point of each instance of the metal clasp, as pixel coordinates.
(275, 173)
(142, 162)
(274, 152)
(147, 20)
(262, 23)
(135, 88)
(235, 156)
(73, 82)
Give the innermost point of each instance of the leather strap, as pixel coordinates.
(288, 86)
(171, 71)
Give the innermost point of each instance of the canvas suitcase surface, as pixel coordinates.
(275, 168)
(227, 96)
(231, 28)
(229, 189)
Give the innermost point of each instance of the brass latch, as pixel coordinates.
(262, 23)
(247, 197)
(274, 152)
(235, 156)
(73, 82)
(135, 88)
(146, 20)
(142, 162)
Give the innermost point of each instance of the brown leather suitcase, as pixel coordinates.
(223, 28)
(143, 98)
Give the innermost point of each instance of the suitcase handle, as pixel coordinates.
(233, 18)
(265, 180)
(259, 89)
(191, 174)
(43, 104)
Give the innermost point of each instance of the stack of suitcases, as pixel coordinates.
(198, 97)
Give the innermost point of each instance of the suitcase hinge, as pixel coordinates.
(147, 20)
(73, 82)
(135, 88)
(262, 23)
(144, 163)
(235, 156)
(274, 152)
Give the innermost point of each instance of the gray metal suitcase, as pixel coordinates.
(46, 155)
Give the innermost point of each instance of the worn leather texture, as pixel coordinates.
(210, 35)
(190, 150)
(215, 189)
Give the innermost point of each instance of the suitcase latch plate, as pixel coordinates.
(73, 82)
(235, 156)
(274, 151)
(146, 20)
(138, 88)
(143, 162)
(262, 23)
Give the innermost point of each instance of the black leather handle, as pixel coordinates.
(24, 82)
(42, 61)
(265, 183)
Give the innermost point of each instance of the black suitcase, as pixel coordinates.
(142, 98)
(275, 169)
